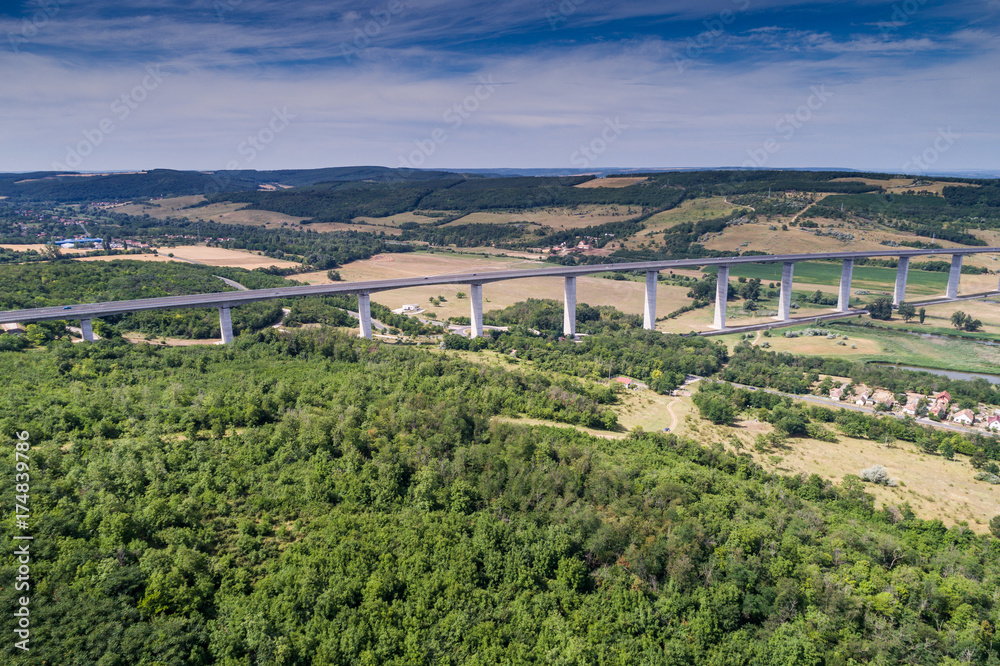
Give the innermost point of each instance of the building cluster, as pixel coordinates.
(197, 238)
(938, 405)
(104, 205)
(563, 249)
(114, 244)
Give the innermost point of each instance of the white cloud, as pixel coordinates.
(223, 80)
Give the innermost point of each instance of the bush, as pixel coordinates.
(878, 474)
(988, 478)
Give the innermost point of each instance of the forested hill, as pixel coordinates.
(41, 284)
(318, 499)
(476, 191)
(78, 188)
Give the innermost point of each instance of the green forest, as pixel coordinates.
(318, 499)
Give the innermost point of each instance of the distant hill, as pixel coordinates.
(63, 187)
(60, 187)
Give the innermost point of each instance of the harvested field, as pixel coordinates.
(225, 213)
(394, 220)
(40, 247)
(161, 208)
(625, 295)
(554, 218)
(209, 256)
(899, 185)
(624, 181)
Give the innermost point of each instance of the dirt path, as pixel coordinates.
(726, 201)
(284, 313)
(795, 219)
(673, 417)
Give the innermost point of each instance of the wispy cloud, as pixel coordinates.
(229, 69)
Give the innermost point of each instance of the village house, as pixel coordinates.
(630, 383)
(883, 397)
(862, 396)
(965, 417)
(993, 423)
(939, 404)
(912, 401)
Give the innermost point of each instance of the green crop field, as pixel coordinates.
(828, 273)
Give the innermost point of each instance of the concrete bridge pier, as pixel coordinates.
(477, 311)
(365, 314)
(955, 275)
(569, 307)
(899, 295)
(785, 296)
(87, 329)
(649, 312)
(844, 299)
(721, 294)
(226, 324)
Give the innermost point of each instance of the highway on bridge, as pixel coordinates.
(233, 298)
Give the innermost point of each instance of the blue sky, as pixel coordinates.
(208, 84)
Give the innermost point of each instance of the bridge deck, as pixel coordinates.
(234, 298)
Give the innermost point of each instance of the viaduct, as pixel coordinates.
(224, 301)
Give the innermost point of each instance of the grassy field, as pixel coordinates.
(759, 236)
(938, 320)
(912, 349)
(887, 346)
(813, 346)
(690, 210)
(935, 488)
